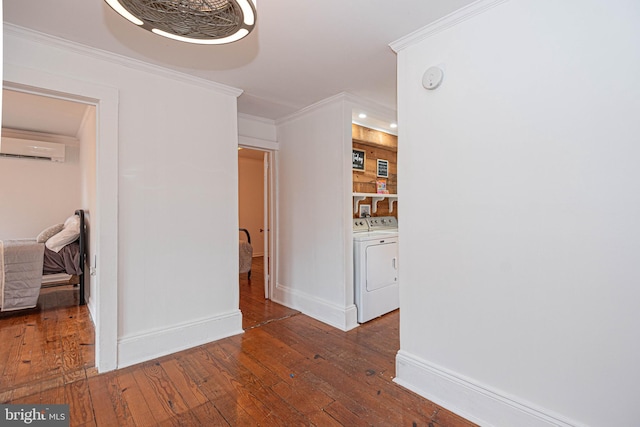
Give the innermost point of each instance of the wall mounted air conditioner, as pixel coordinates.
(27, 148)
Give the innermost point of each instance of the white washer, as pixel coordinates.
(375, 261)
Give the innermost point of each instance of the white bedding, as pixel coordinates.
(20, 273)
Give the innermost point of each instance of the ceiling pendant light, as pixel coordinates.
(191, 21)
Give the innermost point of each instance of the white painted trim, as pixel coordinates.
(347, 203)
(251, 142)
(88, 112)
(274, 223)
(256, 118)
(105, 221)
(343, 318)
(444, 23)
(91, 305)
(149, 345)
(57, 42)
(43, 136)
(320, 104)
(455, 392)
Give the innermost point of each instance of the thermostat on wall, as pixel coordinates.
(432, 78)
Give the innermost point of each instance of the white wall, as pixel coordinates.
(35, 194)
(177, 207)
(251, 200)
(315, 273)
(520, 229)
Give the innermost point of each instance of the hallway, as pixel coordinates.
(286, 369)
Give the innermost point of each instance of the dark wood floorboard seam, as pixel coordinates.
(266, 322)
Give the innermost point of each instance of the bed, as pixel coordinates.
(56, 257)
(246, 253)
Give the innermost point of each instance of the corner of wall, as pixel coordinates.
(343, 318)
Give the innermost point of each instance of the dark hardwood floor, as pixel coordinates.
(286, 369)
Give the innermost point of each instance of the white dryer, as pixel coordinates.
(375, 258)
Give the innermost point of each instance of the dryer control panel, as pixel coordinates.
(375, 223)
(382, 222)
(360, 225)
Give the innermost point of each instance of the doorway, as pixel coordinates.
(255, 183)
(256, 213)
(39, 193)
(104, 222)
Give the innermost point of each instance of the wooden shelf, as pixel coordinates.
(375, 197)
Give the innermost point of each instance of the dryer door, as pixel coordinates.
(382, 265)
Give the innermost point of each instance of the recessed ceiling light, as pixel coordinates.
(393, 125)
(362, 115)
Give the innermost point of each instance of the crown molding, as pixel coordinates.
(11, 30)
(451, 20)
(316, 106)
(353, 100)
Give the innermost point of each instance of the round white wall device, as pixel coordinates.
(432, 78)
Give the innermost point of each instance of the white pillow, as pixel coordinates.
(48, 232)
(69, 233)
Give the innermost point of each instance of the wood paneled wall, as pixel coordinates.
(376, 145)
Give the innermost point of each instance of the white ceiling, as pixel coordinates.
(300, 52)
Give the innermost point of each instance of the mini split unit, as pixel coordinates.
(26, 148)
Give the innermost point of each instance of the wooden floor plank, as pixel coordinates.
(344, 416)
(303, 396)
(163, 400)
(234, 350)
(109, 407)
(12, 361)
(137, 405)
(78, 397)
(8, 334)
(208, 415)
(187, 388)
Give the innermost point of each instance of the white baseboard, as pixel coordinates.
(147, 346)
(471, 400)
(343, 318)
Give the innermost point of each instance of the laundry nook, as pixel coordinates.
(375, 222)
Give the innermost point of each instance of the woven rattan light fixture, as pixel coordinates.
(191, 21)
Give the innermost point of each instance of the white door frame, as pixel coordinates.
(266, 220)
(105, 220)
